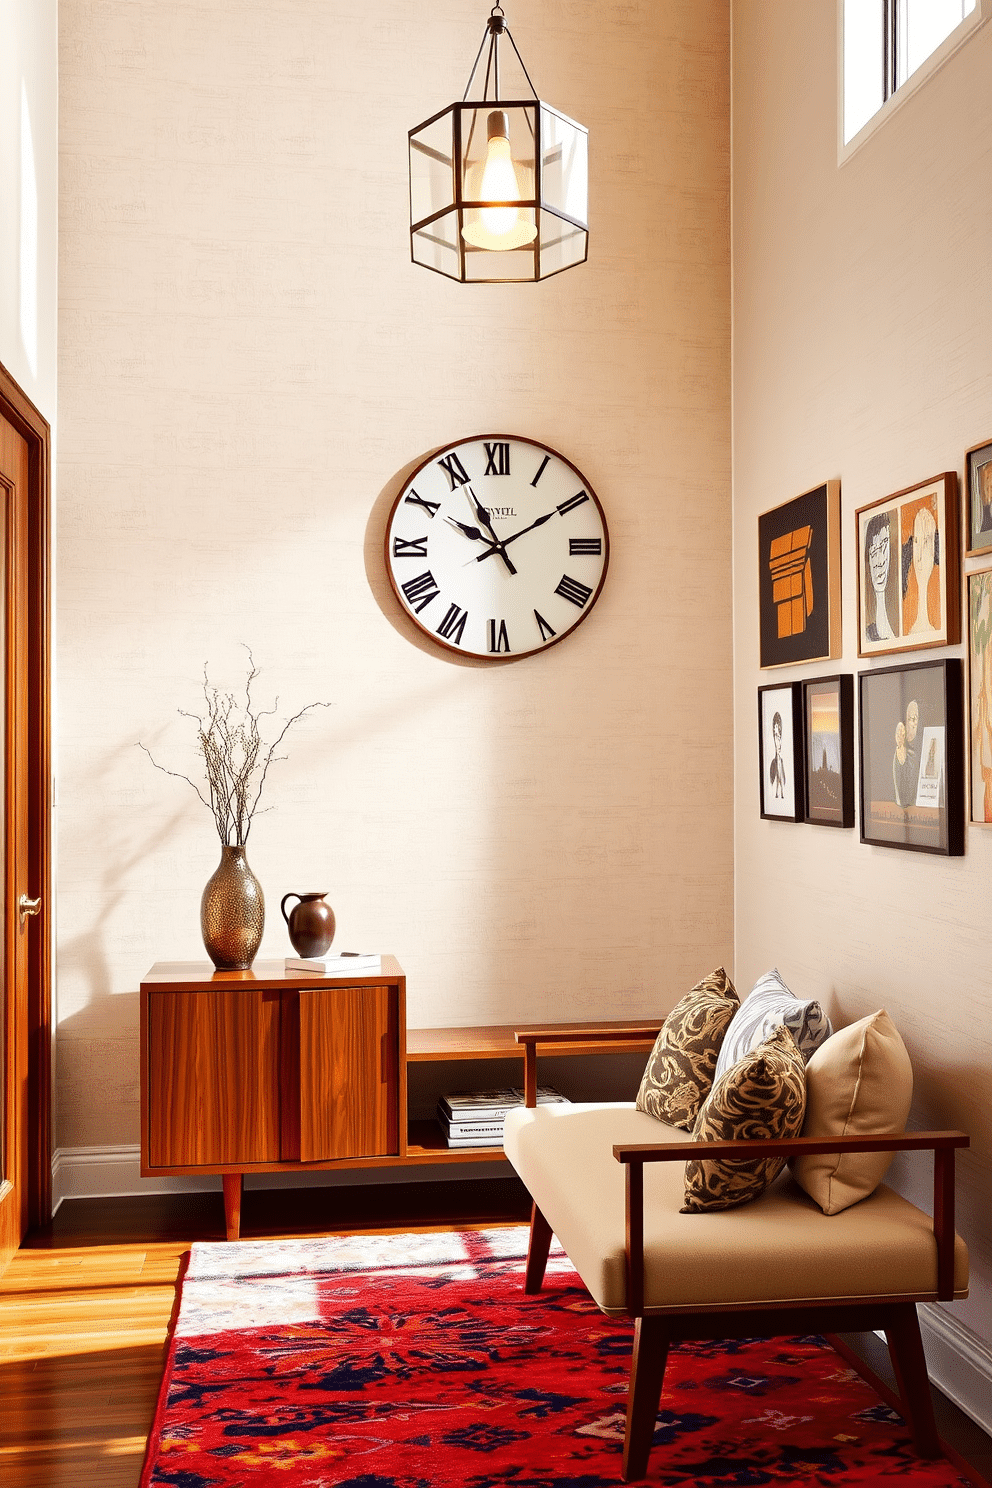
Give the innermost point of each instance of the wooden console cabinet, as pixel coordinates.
(268, 1070)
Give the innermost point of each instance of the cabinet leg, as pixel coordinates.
(233, 1187)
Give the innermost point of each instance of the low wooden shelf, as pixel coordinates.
(270, 1070)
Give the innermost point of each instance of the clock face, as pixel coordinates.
(497, 547)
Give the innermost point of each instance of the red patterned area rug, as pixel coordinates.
(416, 1361)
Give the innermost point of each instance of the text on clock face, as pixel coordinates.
(497, 592)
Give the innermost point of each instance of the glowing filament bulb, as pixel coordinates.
(497, 228)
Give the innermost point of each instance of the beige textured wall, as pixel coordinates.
(29, 196)
(862, 327)
(249, 362)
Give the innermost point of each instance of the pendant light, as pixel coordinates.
(498, 187)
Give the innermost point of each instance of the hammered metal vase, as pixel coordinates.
(232, 912)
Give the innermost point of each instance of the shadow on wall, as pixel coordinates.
(84, 959)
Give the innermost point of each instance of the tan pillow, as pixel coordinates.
(679, 1071)
(858, 1083)
(762, 1096)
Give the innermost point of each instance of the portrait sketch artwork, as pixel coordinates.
(980, 693)
(910, 758)
(908, 570)
(780, 752)
(978, 495)
(799, 578)
(829, 752)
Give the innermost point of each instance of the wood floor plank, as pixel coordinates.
(85, 1309)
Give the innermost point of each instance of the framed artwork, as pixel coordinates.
(828, 732)
(980, 693)
(799, 578)
(780, 752)
(909, 568)
(912, 757)
(978, 498)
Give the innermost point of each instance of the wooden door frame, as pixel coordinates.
(17, 408)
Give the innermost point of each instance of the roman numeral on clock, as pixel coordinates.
(540, 472)
(454, 470)
(572, 503)
(547, 631)
(453, 624)
(579, 545)
(430, 507)
(497, 459)
(498, 639)
(415, 547)
(423, 589)
(572, 590)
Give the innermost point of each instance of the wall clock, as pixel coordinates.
(497, 546)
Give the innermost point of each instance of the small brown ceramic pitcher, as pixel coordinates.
(311, 924)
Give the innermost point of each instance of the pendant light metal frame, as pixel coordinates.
(441, 158)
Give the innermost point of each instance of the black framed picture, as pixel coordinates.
(780, 752)
(799, 578)
(828, 731)
(912, 757)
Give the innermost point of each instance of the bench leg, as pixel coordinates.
(537, 1251)
(910, 1365)
(647, 1375)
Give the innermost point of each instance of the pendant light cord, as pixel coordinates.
(495, 28)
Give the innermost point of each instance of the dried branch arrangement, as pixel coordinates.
(236, 757)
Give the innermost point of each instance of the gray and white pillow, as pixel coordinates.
(770, 1005)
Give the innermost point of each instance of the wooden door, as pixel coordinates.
(14, 836)
(348, 1066)
(212, 1078)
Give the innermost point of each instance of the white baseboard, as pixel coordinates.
(110, 1172)
(959, 1363)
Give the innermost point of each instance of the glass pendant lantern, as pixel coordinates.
(498, 187)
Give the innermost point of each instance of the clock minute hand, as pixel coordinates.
(513, 536)
(486, 520)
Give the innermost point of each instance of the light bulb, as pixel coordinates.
(497, 228)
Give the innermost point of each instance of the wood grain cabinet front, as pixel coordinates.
(213, 1078)
(346, 1090)
(263, 1070)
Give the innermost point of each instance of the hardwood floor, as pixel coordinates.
(85, 1307)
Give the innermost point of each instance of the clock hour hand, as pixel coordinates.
(472, 532)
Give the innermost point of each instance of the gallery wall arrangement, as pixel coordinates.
(910, 728)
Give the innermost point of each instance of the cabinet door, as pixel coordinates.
(213, 1078)
(348, 1072)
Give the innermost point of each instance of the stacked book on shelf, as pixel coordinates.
(474, 1118)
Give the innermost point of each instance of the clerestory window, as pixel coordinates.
(887, 42)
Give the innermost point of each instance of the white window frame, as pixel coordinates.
(906, 90)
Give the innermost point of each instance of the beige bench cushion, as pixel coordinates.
(781, 1248)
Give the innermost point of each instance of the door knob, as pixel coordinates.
(28, 907)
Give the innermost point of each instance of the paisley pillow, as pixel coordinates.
(679, 1071)
(762, 1096)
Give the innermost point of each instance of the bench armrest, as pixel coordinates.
(598, 1037)
(642, 1152)
(943, 1144)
